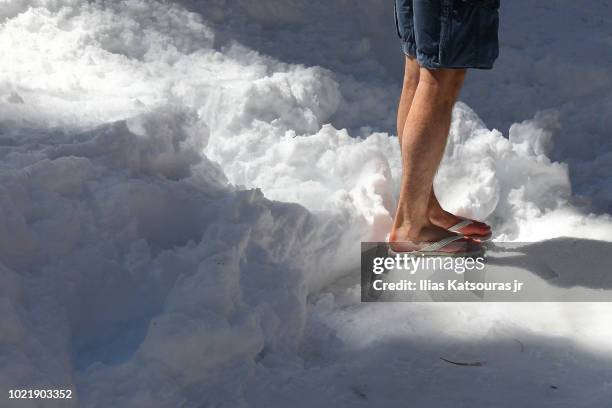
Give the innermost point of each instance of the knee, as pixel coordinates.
(445, 83)
(442, 78)
(411, 74)
(455, 79)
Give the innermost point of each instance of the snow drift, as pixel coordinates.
(172, 188)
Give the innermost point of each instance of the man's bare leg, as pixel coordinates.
(437, 215)
(411, 80)
(422, 142)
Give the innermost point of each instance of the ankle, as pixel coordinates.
(407, 230)
(440, 215)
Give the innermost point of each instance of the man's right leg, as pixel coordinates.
(437, 215)
(423, 142)
(409, 86)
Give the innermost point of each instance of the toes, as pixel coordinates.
(480, 224)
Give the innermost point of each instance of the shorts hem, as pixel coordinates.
(430, 62)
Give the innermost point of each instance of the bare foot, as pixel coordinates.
(407, 239)
(444, 219)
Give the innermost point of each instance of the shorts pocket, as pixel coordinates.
(404, 15)
(399, 34)
(470, 34)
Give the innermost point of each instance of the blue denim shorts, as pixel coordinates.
(449, 33)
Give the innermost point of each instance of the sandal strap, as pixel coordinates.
(460, 225)
(440, 244)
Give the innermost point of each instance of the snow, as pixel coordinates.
(184, 186)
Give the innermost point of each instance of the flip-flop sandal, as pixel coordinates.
(462, 224)
(434, 249)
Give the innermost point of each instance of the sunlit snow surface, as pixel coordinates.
(184, 187)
